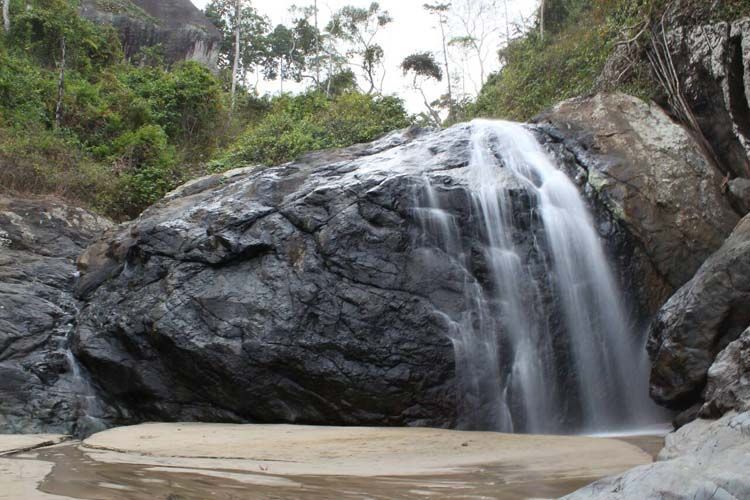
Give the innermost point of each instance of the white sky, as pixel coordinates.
(413, 30)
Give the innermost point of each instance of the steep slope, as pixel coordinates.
(176, 27)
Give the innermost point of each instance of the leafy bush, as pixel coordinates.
(579, 37)
(146, 169)
(127, 134)
(186, 101)
(125, 127)
(538, 73)
(312, 121)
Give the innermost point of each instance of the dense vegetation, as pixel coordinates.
(578, 37)
(79, 121)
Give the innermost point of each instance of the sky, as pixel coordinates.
(413, 30)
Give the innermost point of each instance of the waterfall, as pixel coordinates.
(544, 343)
(89, 409)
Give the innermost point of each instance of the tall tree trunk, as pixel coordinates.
(317, 46)
(330, 75)
(541, 20)
(507, 22)
(60, 86)
(447, 68)
(236, 65)
(6, 15)
(433, 114)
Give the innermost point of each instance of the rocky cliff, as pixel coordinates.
(176, 27)
(39, 243)
(306, 292)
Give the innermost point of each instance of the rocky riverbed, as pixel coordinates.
(198, 461)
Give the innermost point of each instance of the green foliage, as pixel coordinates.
(538, 73)
(253, 29)
(422, 64)
(579, 37)
(124, 129)
(146, 168)
(40, 29)
(129, 133)
(311, 121)
(186, 101)
(359, 26)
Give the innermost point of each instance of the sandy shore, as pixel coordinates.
(358, 451)
(198, 461)
(15, 443)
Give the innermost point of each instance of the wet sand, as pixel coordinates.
(200, 461)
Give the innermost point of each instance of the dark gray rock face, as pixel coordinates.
(728, 387)
(178, 26)
(648, 173)
(39, 242)
(291, 294)
(699, 321)
(311, 292)
(713, 64)
(703, 460)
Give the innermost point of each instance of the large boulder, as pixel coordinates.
(39, 243)
(327, 291)
(292, 293)
(728, 387)
(649, 173)
(176, 27)
(703, 460)
(699, 321)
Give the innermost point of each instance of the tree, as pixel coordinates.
(541, 19)
(476, 21)
(359, 27)
(423, 66)
(440, 10)
(253, 32)
(6, 15)
(290, 50)
(60, 84)
(236, 63)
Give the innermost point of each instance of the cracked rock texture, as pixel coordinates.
(648, 172)
(305, 293)
(699, 321)
(39, 243)
(302, 293)
(728, 385)
(712, 64)
(291, 294)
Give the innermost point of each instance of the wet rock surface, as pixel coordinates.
(291, 294)
(39, 242)
(303, 293)
(646, 173)
(704, 459)
(699, 321)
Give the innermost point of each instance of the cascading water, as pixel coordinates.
(545, 344)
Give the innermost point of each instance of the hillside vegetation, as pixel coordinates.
(80, 122)
(579, 36)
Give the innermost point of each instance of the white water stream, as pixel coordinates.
(529, 360)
